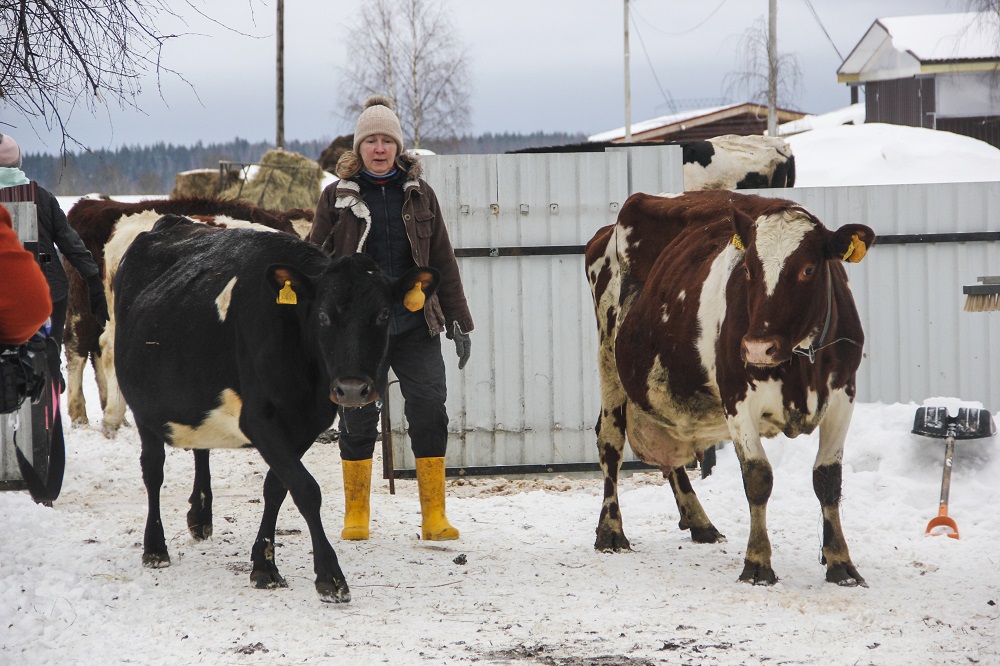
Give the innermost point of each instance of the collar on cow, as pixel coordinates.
(811, 350)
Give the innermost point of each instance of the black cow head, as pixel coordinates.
(345, 310)
(788, 279)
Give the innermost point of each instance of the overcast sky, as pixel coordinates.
(552, 65)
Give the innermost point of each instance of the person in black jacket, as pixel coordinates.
(55, 233)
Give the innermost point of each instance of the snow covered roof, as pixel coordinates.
(849, 115)
(904, 46)
(655, 128)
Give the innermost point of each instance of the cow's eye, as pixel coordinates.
(383, 316)
(324, 318)
(807, 272)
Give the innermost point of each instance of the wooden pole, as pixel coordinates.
(628, 85)
(279, 140)
(772, 68)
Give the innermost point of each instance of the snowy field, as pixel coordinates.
(524, 584)
(531, 589)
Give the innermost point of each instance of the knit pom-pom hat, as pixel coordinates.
(378, 118)
(10, 152)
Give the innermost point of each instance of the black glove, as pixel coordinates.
(463, 345)
(98, 301)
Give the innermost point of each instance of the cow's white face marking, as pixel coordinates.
(778, 236)
(712, 306)
(223, 300)
(220, 428)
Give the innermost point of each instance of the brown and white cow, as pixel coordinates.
(725, 316)
(99, 222)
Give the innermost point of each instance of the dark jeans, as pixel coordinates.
(416, 359)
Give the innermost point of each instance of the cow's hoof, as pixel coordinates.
(611, 542)
(707, 535)
(80, 422)
(155, 560)
(758, 574)
(267, 579)
(845, 575)
(336, 592)
(200, 532)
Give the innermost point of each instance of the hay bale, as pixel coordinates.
(200, 184)
(328, 158)
(283, 180)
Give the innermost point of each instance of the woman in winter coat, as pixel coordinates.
(381, 207)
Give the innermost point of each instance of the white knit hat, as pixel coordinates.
(378, 118)
(10, 152)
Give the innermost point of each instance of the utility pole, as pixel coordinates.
(279, 140)
(628, 85)
(772, 68)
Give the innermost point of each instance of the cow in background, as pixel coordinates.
(736, 162)
(96, 221)
(724, 316)
(727, 162)
(241, 338)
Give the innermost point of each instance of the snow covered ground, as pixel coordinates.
(524, 584)
(531, 588)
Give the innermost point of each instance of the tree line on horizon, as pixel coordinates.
(152, 169)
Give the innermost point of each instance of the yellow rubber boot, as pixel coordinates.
(430, 481)
(357, 487)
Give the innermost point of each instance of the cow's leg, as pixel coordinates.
(76, 402)
(693, 516)
(114, 410)
(827, 476)
(758, 480)
(330, 582)
(199, 517)
(102, 386)
(154, 546)
(264, 573)
(611, 448)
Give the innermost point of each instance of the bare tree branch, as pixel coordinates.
(750, 80)
(57, 56)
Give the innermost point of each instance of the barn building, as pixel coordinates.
(939, 71)
(743, 119)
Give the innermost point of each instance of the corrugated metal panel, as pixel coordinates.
(530, 394)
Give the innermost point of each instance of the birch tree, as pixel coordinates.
(409, 51)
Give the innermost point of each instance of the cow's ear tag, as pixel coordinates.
(856, 250)
(738, 242)
(414, 298)
(287, 295)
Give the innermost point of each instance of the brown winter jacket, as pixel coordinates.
(341, 219)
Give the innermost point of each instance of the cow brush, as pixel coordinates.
(983, 297)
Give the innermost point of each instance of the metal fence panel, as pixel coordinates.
(530, 393)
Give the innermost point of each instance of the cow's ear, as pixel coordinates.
(288, 284)
(743, 226)
(850, 243)
(416, 285)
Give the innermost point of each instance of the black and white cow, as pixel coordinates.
(235, 338)
(724, 316)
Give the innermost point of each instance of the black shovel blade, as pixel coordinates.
(969, 423)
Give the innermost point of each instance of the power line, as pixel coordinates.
(682, 32)
(823, 28)
(669, 99)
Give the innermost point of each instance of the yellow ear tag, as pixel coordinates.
(414, 299)
(737, 243)
(287, 295)
(855, 251)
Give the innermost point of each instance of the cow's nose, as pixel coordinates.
(764, 351)
(353, 391)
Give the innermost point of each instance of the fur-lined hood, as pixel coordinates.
(349, 189)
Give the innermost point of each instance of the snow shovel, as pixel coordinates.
(970, 423)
